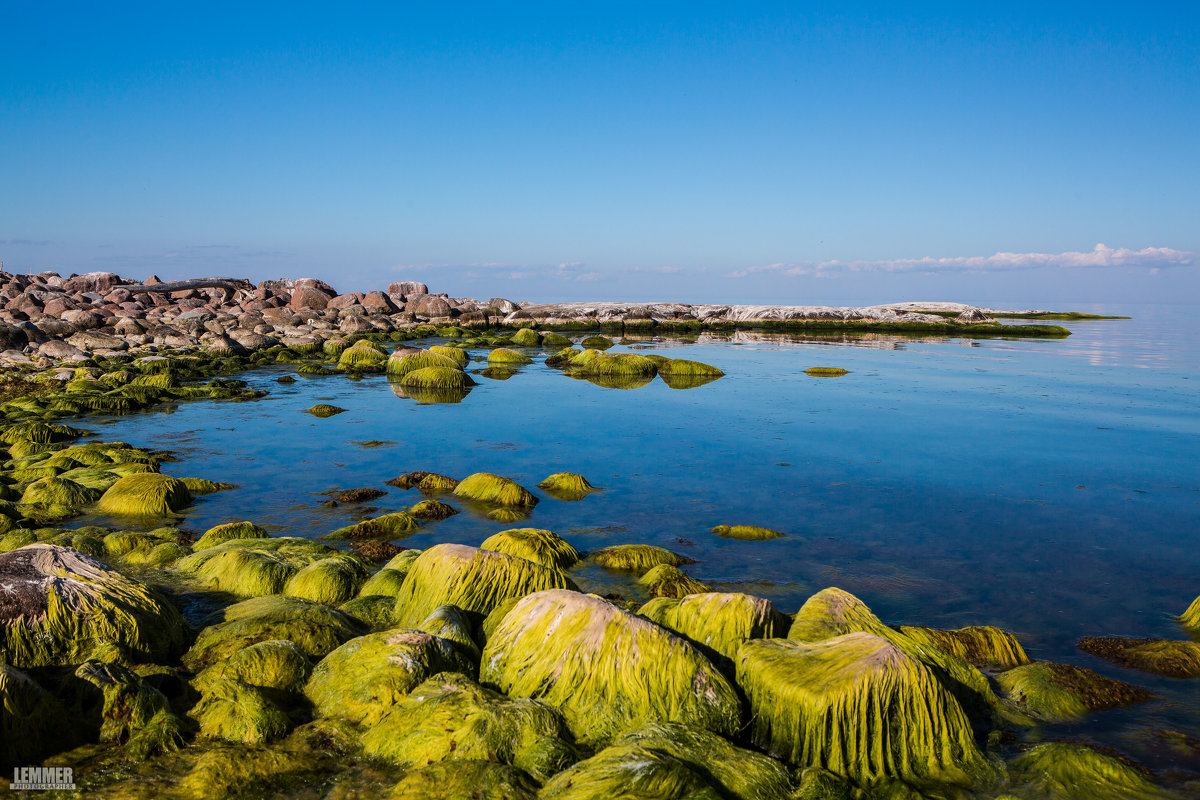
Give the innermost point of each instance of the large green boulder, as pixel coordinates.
(609, 671)
(719, 622)
(62, 607)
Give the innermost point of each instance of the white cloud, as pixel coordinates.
(1152, 258)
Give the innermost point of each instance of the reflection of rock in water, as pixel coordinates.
(428, 394)
(498, 373)
(687, 381)
(616, 381)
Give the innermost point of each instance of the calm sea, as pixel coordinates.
(1050, 487)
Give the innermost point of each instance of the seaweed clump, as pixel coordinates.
(484, 487)
(1168, 657)
(668, 581)
(567, 486)
(607, 670)
(539, 546)
(981, 645)
(826, 372)
(145, 495)
(719, 622)
(324, 410)
(639, 558)
(749, 533)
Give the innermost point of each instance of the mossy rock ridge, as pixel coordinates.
(719, 622)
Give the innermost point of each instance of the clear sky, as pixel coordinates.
(794, 153)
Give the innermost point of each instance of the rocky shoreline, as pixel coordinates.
(71, 319)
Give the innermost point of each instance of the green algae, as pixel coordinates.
(748, 533)
(58, 491)
(484, 487)
(826, 372)
(447, 379)
(597, 343)
(367, 676)
(503, 357)
(129, 704)
(858, 706)
(432, 510)
(669, 581)
(455, 354)
(1168, 657)
(508, 515)
(396, 525)
(272, 664)
(639, 558)
(607, 670)
(324, 410)
(1190, 618)
(372, 610)
(384, 582)
(981, 645)
(30, 719)
(456, 626)
(1077, 772)
(450, 717)
(200, 486)
(145, 495)
(475, 580)
(569, 486)
(316, 629)
(540, 546)
(718, 622)
(1064, 692)
(219, 534)
(458, 779)
(234, 712)
(331, 581)
(363, 356)
(403, 362)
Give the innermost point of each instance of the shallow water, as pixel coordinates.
(1049, 487)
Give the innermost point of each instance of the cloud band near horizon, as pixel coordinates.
(1150, 258)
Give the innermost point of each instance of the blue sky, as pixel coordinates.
(839, 153)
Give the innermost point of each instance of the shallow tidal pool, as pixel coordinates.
(1048, 487)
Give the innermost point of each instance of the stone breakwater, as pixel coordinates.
(99, 314)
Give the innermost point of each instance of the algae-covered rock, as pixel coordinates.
(680, 373)
(568, 486)
(981, 645)
(59, 491)
(63, 607)
(145, 495)
(403, 561)
(202, 486)
(668, 581)
(372, 610)
(1168, 657)
(475, 580)
(609, 671)
(1075, 772)
(454, 625)
(426, 482)
(1064, 692)
(508, 515)
(234, 712)
(367, 676)
(331, 581)
(31, 719)
(639, 558)
(484, 487)
(503, 357)
(363, 356)
(832, 612)
(826, 372)
(384, 582)
(455, 780)
(316, 629)
(719, 622)
(446, 379)
(272, 664)
(455, 354)
(219, 534)
(391, 526)
(1190, 618)
(323, 410)
(540, 546)
(405, 361)
(748, 533)
(450, 717)
(432, 510)
(858, 706)
(253, 567)
(597, 342)
(129, 703)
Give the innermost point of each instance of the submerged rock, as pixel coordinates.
(536, 545)
(858, 706)
(750, 533)
(568, 486)
(1168, 657)
(324, 410)
(719, 622)
(451, 718)
(1064, 692)
(607, 670)
(826, 372)
(475, 580)
(61, 607)
(432, 510)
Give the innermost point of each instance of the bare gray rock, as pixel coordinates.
(60, 350)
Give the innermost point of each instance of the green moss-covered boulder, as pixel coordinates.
(609, 671)
(484, 487)
(252, 567)
(832, 612)
(1064, 692)
(145, 495)
(747, 533)
(455, 780)
(639, 558)
(405, 361)
(1076, 772)
(367, 676)
(1174, 659)
(597, 343)
(235, 712)
(62, 607)
(450, 717)
(569, 486)
(1190, 618)
(315, 628)
(981, 645)
(324, 410)
(59, 491)
(331, 581)
(619, 367)
(669, 760)
(540, 546)
(668, 581)
(826, 372)
(384, 582)
(684, 368)
(202, 486)
(363, 356)
(31, 719)
(455, 626)
(858, 706)
(372, 610)
(503, 357)
(220, 534)
(475, 580)
(718, 622)
(273, 664)
(445, 379)
(432, 510)
(455, 354)
(128, 704)
(396, 525)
